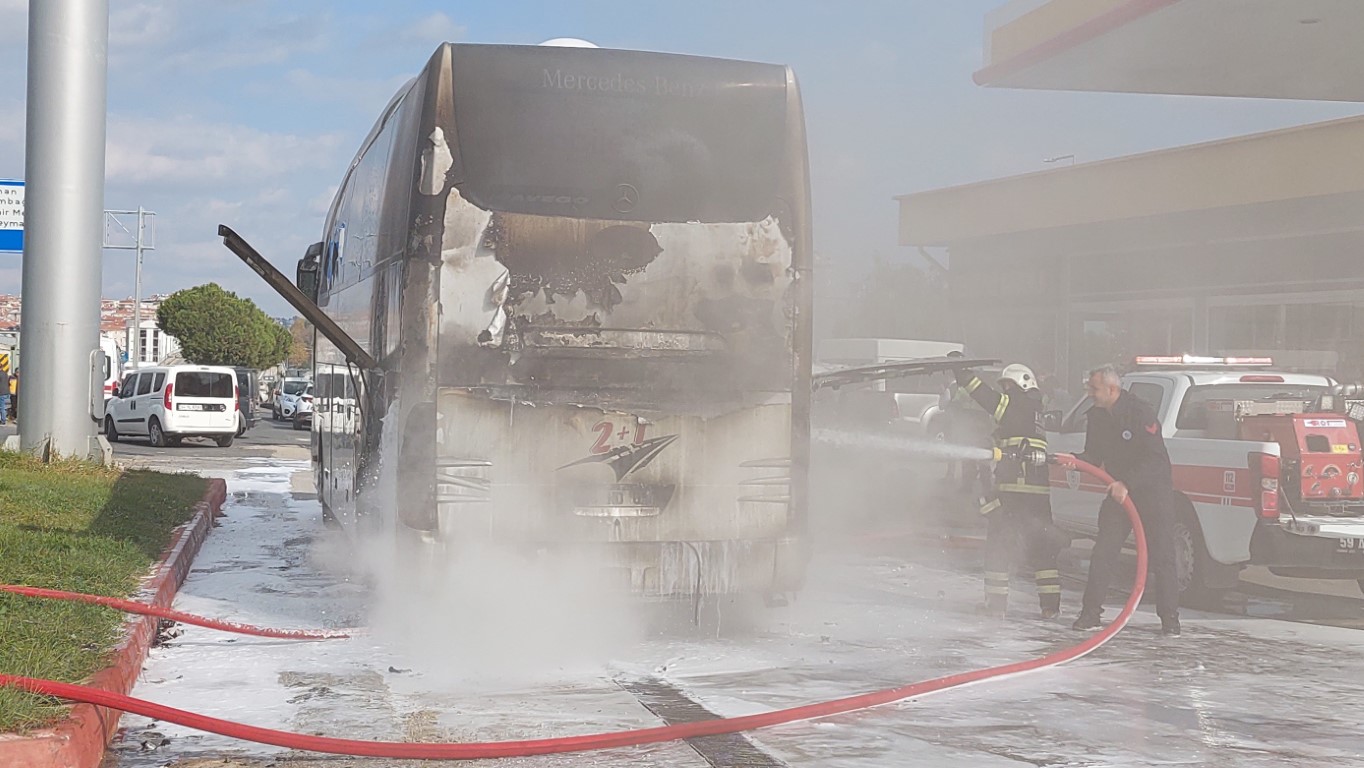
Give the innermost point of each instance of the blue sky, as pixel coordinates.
(247, 112)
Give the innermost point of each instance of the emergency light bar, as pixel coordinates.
(1196, 360)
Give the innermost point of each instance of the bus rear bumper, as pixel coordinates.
(683, 569)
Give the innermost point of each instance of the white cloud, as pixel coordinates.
(321, 205)
(432, 30)
(272, 196)
(367, 94)
(253, 45)
(10, 277)
(12, 116)
(188, 150)
(141, 25)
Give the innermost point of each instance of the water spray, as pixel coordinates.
(902, 444)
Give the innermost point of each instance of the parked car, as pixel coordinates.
(285, 400)
(303, 412)
(166, 404)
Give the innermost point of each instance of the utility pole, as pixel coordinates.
(143, 239)
(68, 55)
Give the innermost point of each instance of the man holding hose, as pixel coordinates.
(1123, 436)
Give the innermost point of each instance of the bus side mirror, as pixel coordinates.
(1051, 421)
(306, 277)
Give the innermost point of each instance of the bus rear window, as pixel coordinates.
(203, 384)
(620, 135)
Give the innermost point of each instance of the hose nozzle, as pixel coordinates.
(1025, 453)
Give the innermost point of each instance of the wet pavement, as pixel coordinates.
(1242, 687)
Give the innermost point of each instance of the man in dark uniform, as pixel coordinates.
(1123, 437)
(1019, 505)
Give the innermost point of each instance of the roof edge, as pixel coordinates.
(1070, 38)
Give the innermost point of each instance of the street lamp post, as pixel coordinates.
(143, 237)
(68, 46)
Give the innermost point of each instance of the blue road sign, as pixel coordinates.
(11, 215)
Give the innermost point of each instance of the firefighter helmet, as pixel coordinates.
(1019, 374)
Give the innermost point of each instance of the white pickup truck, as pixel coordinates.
(1240, 502)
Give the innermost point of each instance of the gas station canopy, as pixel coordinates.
(1281, 49)
(1306, 180)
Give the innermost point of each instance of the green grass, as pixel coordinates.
(82, 528)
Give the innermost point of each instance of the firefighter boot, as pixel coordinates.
(996, 593)
(1087, 620)
(1049, 592)
(994, 607)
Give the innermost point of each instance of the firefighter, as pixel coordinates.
(1018, 508)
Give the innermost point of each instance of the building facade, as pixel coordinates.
(1242, 246)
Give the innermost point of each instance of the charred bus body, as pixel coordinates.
(582, 276)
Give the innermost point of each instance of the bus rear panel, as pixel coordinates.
(585, 275)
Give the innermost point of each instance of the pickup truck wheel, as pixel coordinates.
(1193, 564)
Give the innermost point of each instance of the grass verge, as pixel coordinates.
(83, 528)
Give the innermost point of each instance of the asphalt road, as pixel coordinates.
(1261, 679)
(1236, 690)
(259, 442)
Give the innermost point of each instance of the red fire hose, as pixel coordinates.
(471, 751)
(143, 609)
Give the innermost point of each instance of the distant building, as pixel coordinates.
(155, 347)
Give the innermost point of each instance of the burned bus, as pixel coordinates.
(568, 291)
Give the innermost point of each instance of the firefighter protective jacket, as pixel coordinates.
(1017, 419)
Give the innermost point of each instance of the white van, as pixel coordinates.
(168, 403)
